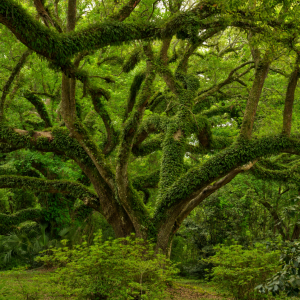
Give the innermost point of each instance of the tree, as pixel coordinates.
(174, 110)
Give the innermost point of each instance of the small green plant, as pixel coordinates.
(125, 268)
(239, 270)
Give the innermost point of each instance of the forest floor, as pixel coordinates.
(185, 289)
(34, 285)
(22, 285)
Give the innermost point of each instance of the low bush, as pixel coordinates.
(124, 268)
(239, 270)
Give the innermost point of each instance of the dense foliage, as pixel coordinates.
(174, 120)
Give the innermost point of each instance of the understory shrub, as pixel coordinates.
(239, 271)
(125, 268)
(287, 280)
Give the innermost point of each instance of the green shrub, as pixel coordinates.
(124, 268)
(239, 271)
(287, 280)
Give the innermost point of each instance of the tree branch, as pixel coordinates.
(10, 80)
(204, 94)
(74, 189)
(289, 98)
(196, 180)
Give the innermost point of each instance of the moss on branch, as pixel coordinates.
(74, 189)
(146, 181)
(59, 47)
(188, 185)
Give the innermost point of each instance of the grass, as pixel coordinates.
(21, 285)
(34, 285)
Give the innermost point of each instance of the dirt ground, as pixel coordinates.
(186, 292)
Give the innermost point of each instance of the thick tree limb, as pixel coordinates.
(190, 185)
(211, 189)
(172, 225)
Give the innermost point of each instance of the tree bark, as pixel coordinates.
(261, 73)
(289, 99)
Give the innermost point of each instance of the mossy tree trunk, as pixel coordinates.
(116, 192)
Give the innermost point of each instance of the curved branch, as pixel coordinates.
(40, 107)
(149, 146)
(111, 139)
(211, 189)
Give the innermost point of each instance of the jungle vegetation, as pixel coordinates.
(141, 110)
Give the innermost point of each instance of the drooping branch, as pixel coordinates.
(284, 175)
(146, 181)
(29, 214)
(74, 189)
(149, 146)
(289, 99)
(10, 80)
(40, 107)
(153, 124)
